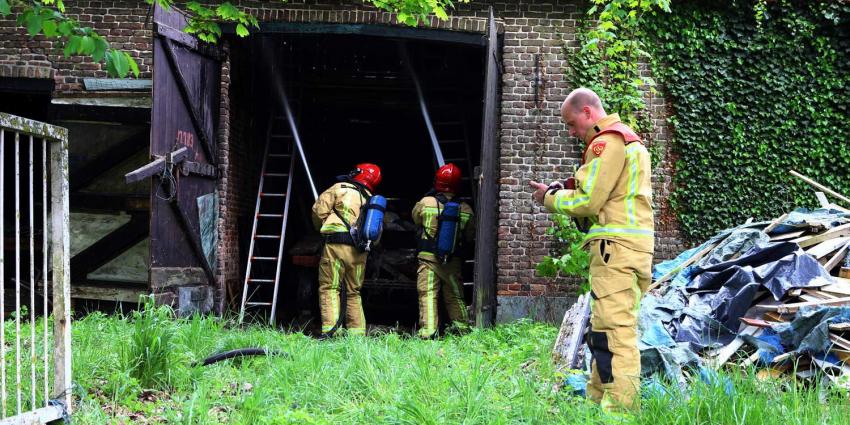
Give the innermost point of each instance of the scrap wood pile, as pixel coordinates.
(773, 295)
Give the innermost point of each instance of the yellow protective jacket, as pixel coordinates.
(425, 214)
(347, 199)
(613, 187)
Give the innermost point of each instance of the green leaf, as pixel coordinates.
(86, 46)
(72, 45)
(134, 67)
(34, 24)
(49, 28)
(241, 30)
(99, 50)
(120, 62)
(5, 10)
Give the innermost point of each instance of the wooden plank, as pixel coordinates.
(840, 327)
(43, 415)
(835, 232)
(819, 294)
(156, 166)
(61, 260)
(757, 322)
(827, 247)
(794, 307)
(775, 223)
(820, 186)
(127, 294)
(789, 235)
(484, 291)
(571, 334)
(109, 247)
(719, 356)
(455, 37)
(696, 257)
(824, 203)
(194, 240)
(33, 128)
(837, 258)
(839, 341)
(189, 101)
(86, 173)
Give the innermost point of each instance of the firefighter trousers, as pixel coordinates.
(342, 264)
(434, 278)
(618, 278)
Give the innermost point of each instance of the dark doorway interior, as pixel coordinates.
(355, 101)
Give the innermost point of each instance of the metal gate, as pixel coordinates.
(34, 252)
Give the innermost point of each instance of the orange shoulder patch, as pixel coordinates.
(598, 147)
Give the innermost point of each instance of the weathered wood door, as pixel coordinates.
(186, 87)
(484, 294)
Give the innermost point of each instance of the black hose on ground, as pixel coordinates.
(242, 352)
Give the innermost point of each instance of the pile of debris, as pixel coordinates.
(774, 295)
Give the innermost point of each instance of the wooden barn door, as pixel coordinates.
(186, 87)
(484, 292)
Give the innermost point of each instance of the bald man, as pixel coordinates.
(611, 190)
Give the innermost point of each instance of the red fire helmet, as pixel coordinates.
(368, 174)
(447, 178)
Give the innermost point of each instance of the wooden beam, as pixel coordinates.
(835, 232)
(775, 223)
(827, 247)
(110, 247)
(156, 166)
(61, 259)
(384, 31)
(719, 356)
(82, 175)
(116, 293)
(794, 307)
(789, 235)
(837, 258)
(99, 202)
(193, 237)
(43, 415)
(820, 186)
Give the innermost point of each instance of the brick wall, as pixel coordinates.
(538, 39)
(121, 21)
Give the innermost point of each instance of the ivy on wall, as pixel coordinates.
(757, 88)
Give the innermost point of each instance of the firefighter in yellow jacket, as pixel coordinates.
(440, 261)
(336, 210)
(612, 191)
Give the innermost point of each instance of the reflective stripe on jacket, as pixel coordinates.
(613, 188)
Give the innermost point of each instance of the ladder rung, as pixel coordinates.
(266, 237)
(273, 195)
(468, 283)
(264, 258)
(261, 280)
(270, 215)
(257, 304)
(276, 174)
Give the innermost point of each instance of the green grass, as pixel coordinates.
(498, 376)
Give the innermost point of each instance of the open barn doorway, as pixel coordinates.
(354, 99)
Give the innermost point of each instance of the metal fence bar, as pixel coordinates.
(61, 270)
(18, 271)
(44, 264)
(2, 274)
(33, 382)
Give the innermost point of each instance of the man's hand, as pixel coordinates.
(539, 191)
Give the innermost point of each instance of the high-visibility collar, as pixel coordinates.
(609, 124)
